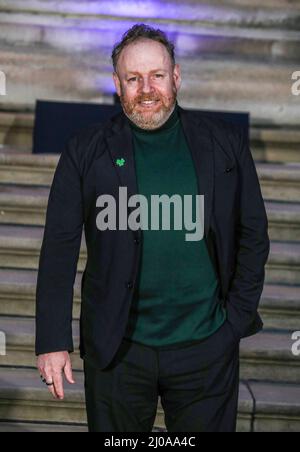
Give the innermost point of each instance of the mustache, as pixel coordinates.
(147, 99)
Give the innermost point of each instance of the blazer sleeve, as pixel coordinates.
(59, 256)
(253, 246)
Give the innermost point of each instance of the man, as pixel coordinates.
(161, 315)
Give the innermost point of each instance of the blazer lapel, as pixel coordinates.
(121, 148)
(119, 141)
(201, 146)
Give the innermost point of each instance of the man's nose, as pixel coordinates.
(146, 86)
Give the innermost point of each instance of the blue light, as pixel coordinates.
(147, 9)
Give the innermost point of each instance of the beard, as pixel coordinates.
(149, 118)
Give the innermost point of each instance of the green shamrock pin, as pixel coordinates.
(120, 162)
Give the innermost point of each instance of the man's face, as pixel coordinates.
(147, 83)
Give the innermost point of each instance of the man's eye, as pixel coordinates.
(133, 79)
(158, 75)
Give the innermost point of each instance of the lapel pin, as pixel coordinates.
(120, 162)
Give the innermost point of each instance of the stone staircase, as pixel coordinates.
(60, 50)
(270, 386)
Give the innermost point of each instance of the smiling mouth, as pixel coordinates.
(148, 104)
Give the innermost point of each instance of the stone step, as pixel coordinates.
(276, 9)
(16, 129)
(280, 182)
(27, 169)
(283, 266)
(261, 25)
(280, 307)
(277, 407)
(20, 248)
(23, 205)
(23, 398)
(266, 356)
(28, 427)
(18, 289)
(284, 221)
(275, 145)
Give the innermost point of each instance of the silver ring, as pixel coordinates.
(45, 381)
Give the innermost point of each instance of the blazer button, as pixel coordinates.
(129, 285)
(137, 241)
(228, 170)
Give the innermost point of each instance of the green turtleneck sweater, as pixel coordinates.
(177, 299)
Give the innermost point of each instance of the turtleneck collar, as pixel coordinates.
(169, 124)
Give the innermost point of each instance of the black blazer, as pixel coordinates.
(236, 233)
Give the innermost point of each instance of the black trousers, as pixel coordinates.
(198, 386)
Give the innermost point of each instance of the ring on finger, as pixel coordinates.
(45, 381)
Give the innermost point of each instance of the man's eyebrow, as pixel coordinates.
(154, 70)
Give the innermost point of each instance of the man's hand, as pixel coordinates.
(51, 367)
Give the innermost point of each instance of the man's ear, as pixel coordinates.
(177, 76)
(117, 83)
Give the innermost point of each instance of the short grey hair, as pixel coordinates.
(142, 31)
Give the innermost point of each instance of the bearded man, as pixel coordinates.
(161, 316)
